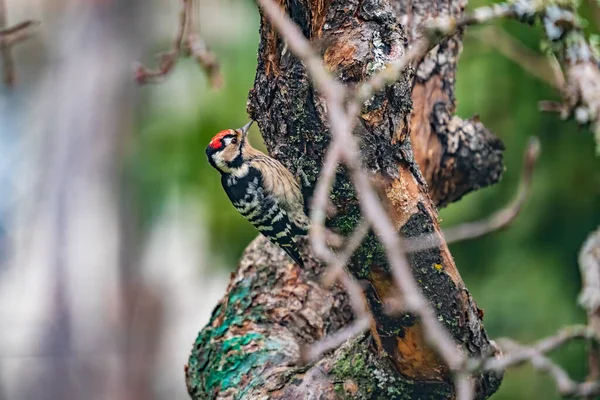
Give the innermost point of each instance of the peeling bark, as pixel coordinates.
(417, 155)
(456, 156)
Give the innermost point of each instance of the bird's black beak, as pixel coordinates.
(246, 128)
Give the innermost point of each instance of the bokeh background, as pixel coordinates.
(116, 239)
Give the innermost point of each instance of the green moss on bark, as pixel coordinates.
(360, 375)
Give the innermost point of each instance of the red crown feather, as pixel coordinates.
(216, 143)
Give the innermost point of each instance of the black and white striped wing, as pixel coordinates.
(266, 214)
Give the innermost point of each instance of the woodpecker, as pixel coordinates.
(260, 188)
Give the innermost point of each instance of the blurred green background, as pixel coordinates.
(525, 278)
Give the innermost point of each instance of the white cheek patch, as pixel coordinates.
(220, 162)
(223, 165)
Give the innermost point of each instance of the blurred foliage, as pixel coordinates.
(525, 278)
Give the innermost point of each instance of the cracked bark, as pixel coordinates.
(418, 155)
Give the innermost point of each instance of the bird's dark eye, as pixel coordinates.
(234, 140)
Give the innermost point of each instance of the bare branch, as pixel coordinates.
(5, 56)
(543, 346)
(187, 42)
(566, 386)
(464, 387)
(580, 64)
(336, 268)
(311, 353)
(537, 65)
(393, 70)
(17, 33)
(516, 354)
(589, 298)
(559, 76)
(341, 122)
(498, 221)
(589, 264)
(10, 36)
(505, 217)
(206, 58)
(355, 292)
(167, 59)
(333, 92)
(320, 198)
(197, 47)
(333, 341)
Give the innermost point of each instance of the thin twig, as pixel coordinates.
(559, 76)
(392, 71)
(566, 386)
(10, 36)
(589, 265)
(589, 298)
(8, 67)
(415, 302)
(197, 47)
(356, 294)
(543, 346)
(336, 268)
(581, 66)
(313, 352)
(536, 64)
(498, 221)
(187, 42)
(362, 323)
(17, 33)
(317, 235)
(464, 387)
(332, 91)
(166, 60)
(505, 217)
(302, 49)
(516, 354)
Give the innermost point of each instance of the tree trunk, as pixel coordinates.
(419, 156)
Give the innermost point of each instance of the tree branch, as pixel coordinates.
(535, 64)
(566, 386)
(187, 42)
(589, 299)
(10, 36)
(580, 64)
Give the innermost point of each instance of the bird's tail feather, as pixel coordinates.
(292, 251)
(295, 255)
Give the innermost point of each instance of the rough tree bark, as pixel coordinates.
(420, 157)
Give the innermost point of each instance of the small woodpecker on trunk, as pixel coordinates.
(260, 188)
